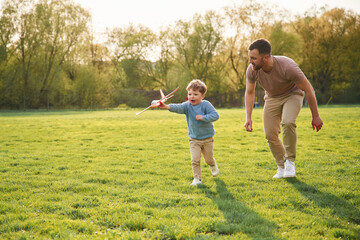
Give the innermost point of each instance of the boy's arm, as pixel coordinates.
(211, 116)
(177, 108)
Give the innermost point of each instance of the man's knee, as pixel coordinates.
(288, 124)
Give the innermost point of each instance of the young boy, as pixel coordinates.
(199, 117)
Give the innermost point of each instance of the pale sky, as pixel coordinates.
(160, 13)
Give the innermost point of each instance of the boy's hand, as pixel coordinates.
(164, 106)
(198, 117)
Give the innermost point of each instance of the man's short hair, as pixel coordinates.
(197, 85)
(262, 45)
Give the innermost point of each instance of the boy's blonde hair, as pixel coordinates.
(197, 85)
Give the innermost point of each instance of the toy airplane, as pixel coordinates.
(156, 103)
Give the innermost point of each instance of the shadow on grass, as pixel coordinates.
(239, 217)
(338, 206)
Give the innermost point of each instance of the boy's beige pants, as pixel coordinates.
(204, 146)
(282, 111)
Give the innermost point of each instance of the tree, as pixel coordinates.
(197, 43)
(246, 23)
(331, 56)
(132, 52)
(166, 59)
(27, 46)
(65, 25)
(284, 41)
(42, 35)
(9, 86)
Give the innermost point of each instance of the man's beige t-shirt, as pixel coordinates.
(281, 80)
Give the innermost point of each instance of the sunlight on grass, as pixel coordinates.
(111, 174)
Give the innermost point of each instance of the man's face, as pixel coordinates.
(257, 60)
(195, 97)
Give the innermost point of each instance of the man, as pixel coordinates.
(284, 84)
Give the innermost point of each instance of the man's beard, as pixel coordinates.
(256, 67)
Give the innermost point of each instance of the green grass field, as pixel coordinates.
(114, 175)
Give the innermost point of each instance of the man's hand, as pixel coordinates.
(198, 117)
(317, 123)
(248, 125)
(310, 96)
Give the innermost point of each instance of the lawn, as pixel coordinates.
(113, 175)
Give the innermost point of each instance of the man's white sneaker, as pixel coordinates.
(279, 173)
(214, 170)
(195, 182)
(289, 169)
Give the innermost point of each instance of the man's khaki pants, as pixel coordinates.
(204, 146)
(284, 111)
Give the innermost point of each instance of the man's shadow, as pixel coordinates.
(338, 206)
(239, 217)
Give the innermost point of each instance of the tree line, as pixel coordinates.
(50, 57)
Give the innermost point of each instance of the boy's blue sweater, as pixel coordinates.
(198, 129)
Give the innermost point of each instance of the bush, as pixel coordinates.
(133, 98)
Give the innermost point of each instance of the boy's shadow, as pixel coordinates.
(239, 217)
(338, 206)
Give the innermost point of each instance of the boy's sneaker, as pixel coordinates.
(214, 170)
(279, 173)
(195, 182)
(289, 169)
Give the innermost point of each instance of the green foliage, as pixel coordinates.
(196, 43)
(38, 36)
(132, 50)
(286, 43)
(85, 87)
(114, 175)
(351, 93)
(133, 98)
(330, 56)
(46, 45)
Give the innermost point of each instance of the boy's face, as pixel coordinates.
(195, 97)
